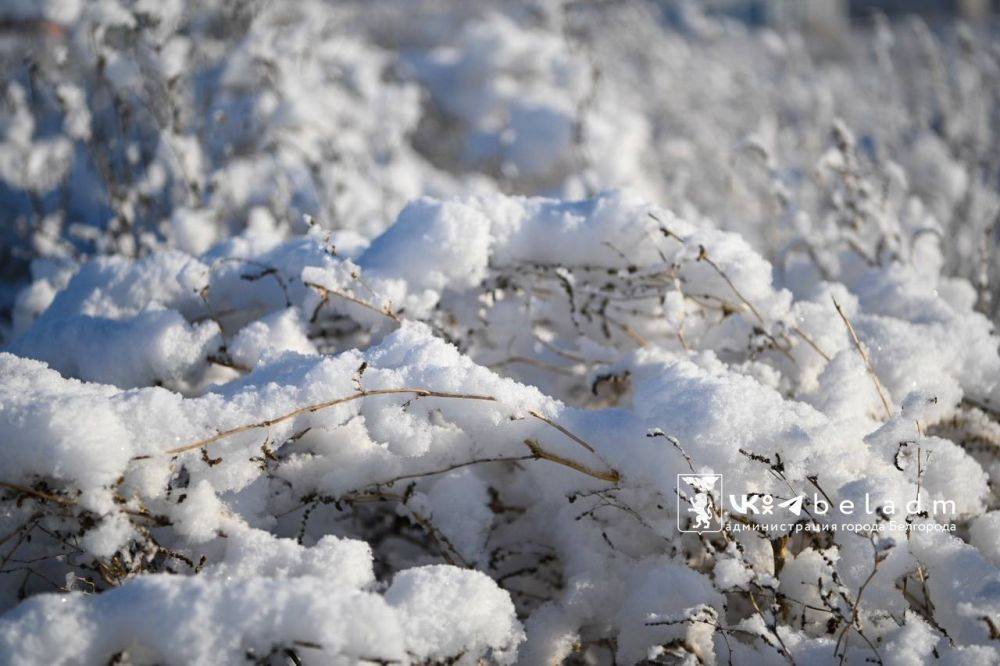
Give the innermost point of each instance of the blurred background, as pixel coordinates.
(810, 126)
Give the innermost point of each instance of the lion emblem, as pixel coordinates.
(701, 501)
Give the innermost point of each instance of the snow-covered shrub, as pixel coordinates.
(669, 349)
(394, 332)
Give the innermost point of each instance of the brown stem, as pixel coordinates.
(812, 343)
(66, 501)
(703, 256)
(612, 475)
(326, 291)
(449, 468)
(865, 358)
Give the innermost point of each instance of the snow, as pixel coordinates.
(274, 333)
(335, 334)
(719, 413)
(447, 612)
(322, 618)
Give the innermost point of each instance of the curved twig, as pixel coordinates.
(611, 475)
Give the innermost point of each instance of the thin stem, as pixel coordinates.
(309, 409)
(703, 256)
(449, 468)
(37, 493)
(325, 294)
(865, 358)
(612, 475)
(812, 343)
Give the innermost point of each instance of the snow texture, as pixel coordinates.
(390, 333)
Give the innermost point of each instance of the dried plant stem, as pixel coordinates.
(309, 409)
(526, 360)
(265, 271)
(447, 549)
(611, 475)
(226, 361)
(854, 621)
(450, 468)
(812, 343)
(703, 256)
(629, 331)
(864, 357)
(562, 352)
(680, 325)
(48, 497)
(325, 293)
(549, 422)
(783, 649)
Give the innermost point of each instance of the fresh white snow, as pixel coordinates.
(396, 328)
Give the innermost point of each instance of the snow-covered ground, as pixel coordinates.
(422, 332)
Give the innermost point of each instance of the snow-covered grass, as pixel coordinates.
(387, 332)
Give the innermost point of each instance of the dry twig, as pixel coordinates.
(611, 475)
(864, 357)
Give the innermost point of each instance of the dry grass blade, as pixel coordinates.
(309, 409)
(812, 343)
(612, 475)
(864, 357)
(703, 256)
(563, 430)
(325, 293)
